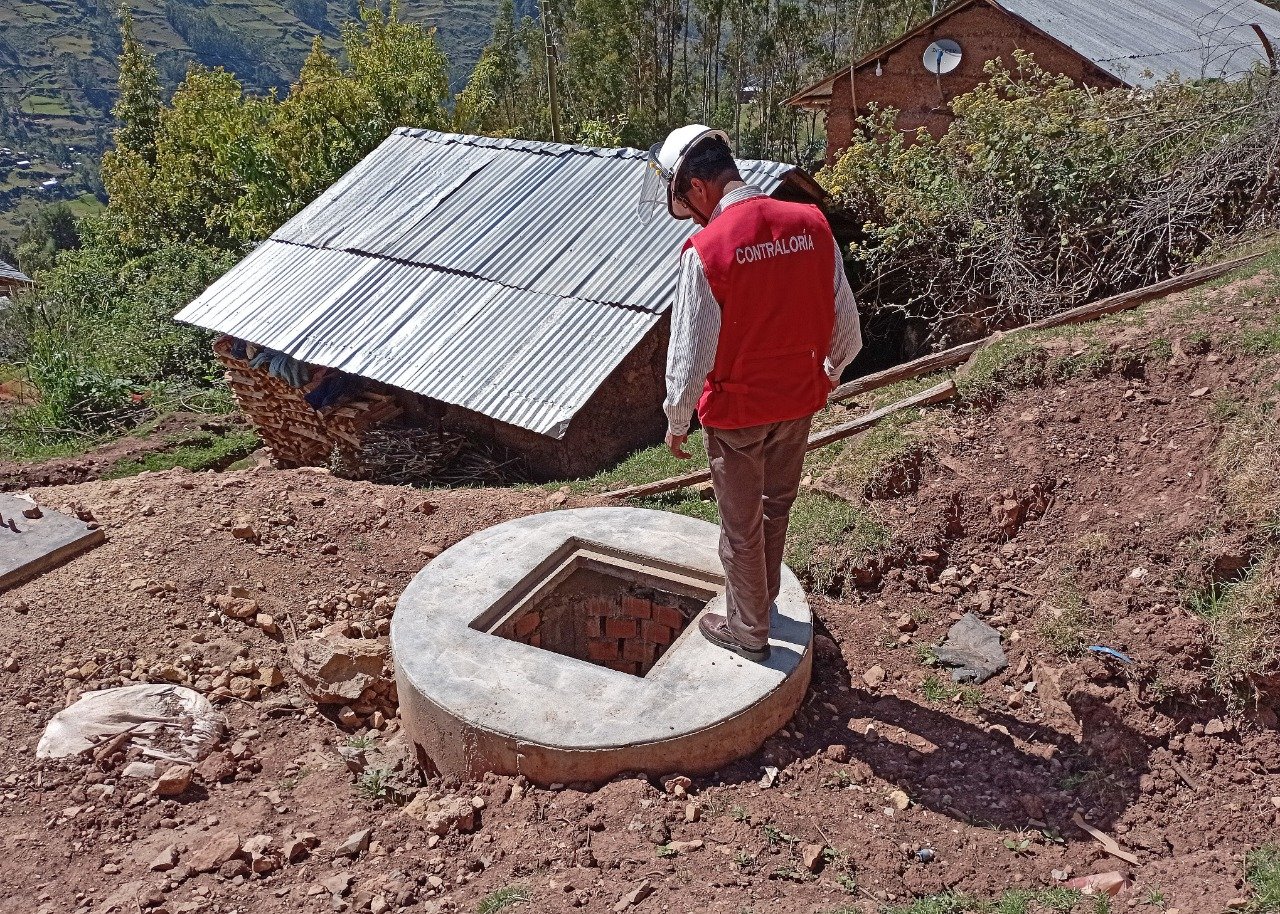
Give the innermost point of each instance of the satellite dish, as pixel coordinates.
(942, 56)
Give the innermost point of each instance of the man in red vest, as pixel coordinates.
(763, 324)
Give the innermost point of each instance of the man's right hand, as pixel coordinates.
(675, 443)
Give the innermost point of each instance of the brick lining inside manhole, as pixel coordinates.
(602, 606)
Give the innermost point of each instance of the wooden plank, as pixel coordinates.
(939, 393)
(32, 546)
(936, 394)
(905, 371)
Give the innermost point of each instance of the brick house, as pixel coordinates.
(1100, 43)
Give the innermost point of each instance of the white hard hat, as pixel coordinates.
(665, 160)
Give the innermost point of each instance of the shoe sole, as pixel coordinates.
(744, 652)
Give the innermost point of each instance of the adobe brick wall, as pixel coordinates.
(984, 34)
(604, 620)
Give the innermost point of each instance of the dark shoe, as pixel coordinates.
(715, 629)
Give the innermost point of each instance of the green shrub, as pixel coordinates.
(1042, 194)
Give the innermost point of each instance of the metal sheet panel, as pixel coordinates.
(12, 275)
(526, 358)
(509, 277)
(1144, 41)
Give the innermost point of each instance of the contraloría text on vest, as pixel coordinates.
(776, 248)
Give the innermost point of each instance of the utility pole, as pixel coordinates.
(553, 90)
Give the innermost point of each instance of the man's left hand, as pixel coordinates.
(675, 443)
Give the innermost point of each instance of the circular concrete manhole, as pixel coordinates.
(565, 647)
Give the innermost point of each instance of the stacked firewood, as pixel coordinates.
(296, 433)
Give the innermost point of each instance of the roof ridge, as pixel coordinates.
(537, 147)
(454, 271)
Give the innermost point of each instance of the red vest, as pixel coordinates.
(771, 267)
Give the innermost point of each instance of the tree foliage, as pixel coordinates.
(641, 67)
(193, 182)
(1042, 195)
(222, 167)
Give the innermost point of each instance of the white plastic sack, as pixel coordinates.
(165, 722)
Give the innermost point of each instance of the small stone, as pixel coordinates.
(338, 885)
(355, 845)
(477, 803)
(683, 847)
(349, 718)
(812, 856)
(769, 777)
(874, 676)
(1275, 801)
(294, 849)
(1216, 727)
(173, 782)
(379, 905)
(905, 623)
(1199, 392)
(678, 785)
(164, 861)
(267, 623)
(837, 753)
(692, 812)
(217, 767)
(142, 771)
(634, 897)
(899, 799)
(215, 852)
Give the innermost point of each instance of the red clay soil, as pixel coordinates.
(1100, 486)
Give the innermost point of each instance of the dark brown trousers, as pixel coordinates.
(756, 474)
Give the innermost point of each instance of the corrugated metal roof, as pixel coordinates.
(10, 275)
(506, 276)
(1143, 41)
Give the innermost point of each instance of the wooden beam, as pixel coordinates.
(936, 394)
(904, 372)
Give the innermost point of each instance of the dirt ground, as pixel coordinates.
(1090, 497)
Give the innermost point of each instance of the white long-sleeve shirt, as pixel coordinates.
(695, 329)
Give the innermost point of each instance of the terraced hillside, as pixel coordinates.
(58, 69)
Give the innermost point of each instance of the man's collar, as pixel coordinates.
(737, 195)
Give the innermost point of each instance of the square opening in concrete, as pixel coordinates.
(594, 603)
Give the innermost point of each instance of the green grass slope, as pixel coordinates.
(58, 70)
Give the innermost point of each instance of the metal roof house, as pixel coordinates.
(11, 278)
(501, 288)
(1102, 43)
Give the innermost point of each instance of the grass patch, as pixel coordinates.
(1244, 623)
(648, 465)
(938, 690)
(824, 532)
(1262, 871)
(1014, 901)
(197, 453)
(1247, 461)
(1067, 628)
(879, 463)
(1035, 358)
(503, 898)
(1261, 340)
